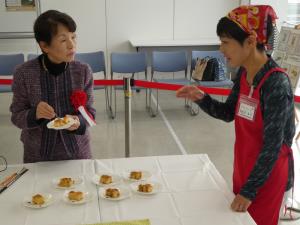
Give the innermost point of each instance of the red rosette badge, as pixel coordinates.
(78, 100)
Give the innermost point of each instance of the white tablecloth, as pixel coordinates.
(193, 193)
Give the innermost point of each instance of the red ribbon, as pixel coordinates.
(78, 98)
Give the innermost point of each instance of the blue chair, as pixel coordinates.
(214, 54)
(32, 56)
(7, 67)
(127, 63)
(174, 61)
(96, 61)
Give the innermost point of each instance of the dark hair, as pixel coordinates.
(45, 26)
(228, 28)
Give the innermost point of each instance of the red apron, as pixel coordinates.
(248, 144)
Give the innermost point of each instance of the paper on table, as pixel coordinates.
(132, 222)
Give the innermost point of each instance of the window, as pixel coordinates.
(293, 15)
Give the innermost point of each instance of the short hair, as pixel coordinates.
(45, 26)
(228, 28)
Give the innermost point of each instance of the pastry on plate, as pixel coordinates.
(145, 188)
(66, 182)
(75, 196)
(105, 179)
(112, 193)
(136, 175)
(38, 199)
(58, 122)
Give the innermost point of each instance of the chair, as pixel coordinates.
(214, 54)
(7, 66)
(173, 61)
(127, 63)
(96, 61)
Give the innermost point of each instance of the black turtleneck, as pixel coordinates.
(53, 68)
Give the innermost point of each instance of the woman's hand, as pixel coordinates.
(76, 125)
(44, 111)
(240, 203)
(190, 92)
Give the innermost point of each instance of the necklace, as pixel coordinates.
(45, 67)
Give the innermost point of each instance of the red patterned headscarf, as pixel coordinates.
(253, 18)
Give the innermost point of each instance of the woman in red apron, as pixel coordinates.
(261, 104)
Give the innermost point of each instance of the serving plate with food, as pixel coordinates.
(146, 187)
(61, 123)
(39, 200)
(67, 182)
(137, 175)
(77, 197)
(114, 193)
(106, 179)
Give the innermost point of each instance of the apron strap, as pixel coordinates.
(266, 76)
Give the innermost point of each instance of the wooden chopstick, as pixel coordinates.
(8, 179)
(19, 174)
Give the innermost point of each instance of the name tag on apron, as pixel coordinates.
(247, 107)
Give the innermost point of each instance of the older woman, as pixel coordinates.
(42, 89)
(262, 106)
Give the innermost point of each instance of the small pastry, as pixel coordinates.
(145, 188)
(137, 175)
(66, 182)
(112, 193)
(75, 196)
(105, 179)
(38, 199)
(58, 122)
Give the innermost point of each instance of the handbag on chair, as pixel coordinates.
(199, 69)
(209, 69)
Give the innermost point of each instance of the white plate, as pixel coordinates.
(50, 125)
(87, 196)
(115, 179)
(77, 181)
(156, 187)
(48, 201)
(145, 175)
(124, 193)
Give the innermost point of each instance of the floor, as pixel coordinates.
(173, 131)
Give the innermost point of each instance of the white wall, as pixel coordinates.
(16, 21)
(108, 24)
(25, 19)
(198, 19)
(245, 2)
(89, 16)
(138, 19)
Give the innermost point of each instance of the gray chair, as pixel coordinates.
(7, 67)
(173, 61)
(96, 61)
(127, 63)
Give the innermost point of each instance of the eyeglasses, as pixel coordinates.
(3, 164)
